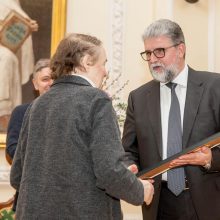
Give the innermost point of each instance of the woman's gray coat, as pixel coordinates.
(68, 161)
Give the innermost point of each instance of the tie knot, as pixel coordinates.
(171, 85)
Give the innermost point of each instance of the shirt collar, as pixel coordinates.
(86, 78)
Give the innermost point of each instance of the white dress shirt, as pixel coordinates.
(86, 78)
(165, 102)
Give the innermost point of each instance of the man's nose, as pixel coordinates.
(153, 58)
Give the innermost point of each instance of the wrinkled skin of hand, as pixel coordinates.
(148, 190)
(201, 157)
(148, 185)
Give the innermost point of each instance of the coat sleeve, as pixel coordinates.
(215, 165)
(18, 160)
(14, 128)
(107, 153)
(129, 139)
(215, 100)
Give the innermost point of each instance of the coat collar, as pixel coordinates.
(73, 79)
(153, 111)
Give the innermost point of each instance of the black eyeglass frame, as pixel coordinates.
(153, 51)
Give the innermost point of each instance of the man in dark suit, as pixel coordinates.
(146, 129)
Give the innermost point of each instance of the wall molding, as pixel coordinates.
(116, 40)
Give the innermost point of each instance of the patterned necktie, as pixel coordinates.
(175, 177)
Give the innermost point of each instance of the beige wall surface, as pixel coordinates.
(193, 18)
(199, 21)
(216, 11)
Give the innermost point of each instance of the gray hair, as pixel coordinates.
(71, 50)
(40, 64)
(165, 27)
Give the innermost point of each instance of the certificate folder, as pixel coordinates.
(163, 166)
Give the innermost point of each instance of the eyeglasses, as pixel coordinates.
(158, 52)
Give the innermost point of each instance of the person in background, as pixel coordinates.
(69, 159)
(42, 81)
(175, 110)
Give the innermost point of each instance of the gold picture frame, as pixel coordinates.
(58, 32)
(58, 23)
(2, 140)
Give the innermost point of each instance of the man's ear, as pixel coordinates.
(86, 62)
(182, 50)
(35, 84)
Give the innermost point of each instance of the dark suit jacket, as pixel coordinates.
(14, 128)
(142, 138)
(68, 163)
(13, 132)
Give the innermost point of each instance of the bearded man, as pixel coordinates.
(175, 110)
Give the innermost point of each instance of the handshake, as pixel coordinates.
(147, 184)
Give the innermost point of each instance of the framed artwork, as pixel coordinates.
(51, 18)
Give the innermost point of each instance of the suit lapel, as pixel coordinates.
(194, 93)
(153, 110)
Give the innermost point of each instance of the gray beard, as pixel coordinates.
(166, 76)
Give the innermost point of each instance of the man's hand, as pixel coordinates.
(148, 187)
(148, 190)
(201, 157)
